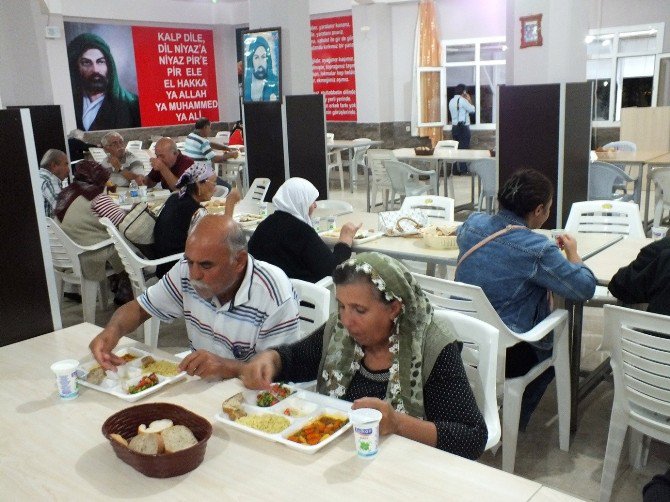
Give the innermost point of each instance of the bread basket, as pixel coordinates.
(433, 237)
(167, 465)
(424, 150)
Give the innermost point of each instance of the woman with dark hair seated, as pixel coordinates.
(383, 350)
(518, 268)
(182, 210)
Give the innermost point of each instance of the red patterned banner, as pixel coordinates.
(333, 66)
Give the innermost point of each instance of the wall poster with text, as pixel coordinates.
(333, 66)
(133, 76)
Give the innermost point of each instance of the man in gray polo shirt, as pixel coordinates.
(234, 306)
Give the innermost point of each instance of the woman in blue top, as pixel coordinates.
(518, 267)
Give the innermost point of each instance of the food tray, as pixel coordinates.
(248, 219)
(311, 405)
(116, 387)
(362, 236)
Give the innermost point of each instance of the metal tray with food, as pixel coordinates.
(302, 420)
(361, 237)
(143, 373)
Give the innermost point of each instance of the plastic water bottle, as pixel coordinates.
(133, 189)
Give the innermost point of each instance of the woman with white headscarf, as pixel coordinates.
(287, 239)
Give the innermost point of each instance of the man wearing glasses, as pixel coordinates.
(122, 164)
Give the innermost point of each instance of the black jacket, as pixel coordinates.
(295, 247)
(646, 279)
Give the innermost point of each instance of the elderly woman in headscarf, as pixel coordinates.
(287, 239)
(78, 208)
(183, 210)
(383, 350)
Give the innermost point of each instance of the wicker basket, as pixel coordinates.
(167, 465)
(424, 150)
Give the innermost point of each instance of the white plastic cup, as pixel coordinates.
(143, 191)
(331, 222)
(658, 232)
(66, 378)
(263, 208)
(366, 431)
(316, 223)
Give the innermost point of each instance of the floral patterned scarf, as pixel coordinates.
(344, 355)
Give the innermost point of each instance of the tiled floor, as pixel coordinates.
(576, 472)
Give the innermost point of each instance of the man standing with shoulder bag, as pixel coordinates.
(460, 108)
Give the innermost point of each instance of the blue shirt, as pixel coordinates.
(516, 269)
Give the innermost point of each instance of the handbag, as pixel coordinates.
(402, 223)
(138, 225)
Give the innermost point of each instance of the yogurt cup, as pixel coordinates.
(658, 232)
(365, 422)
(66, 378)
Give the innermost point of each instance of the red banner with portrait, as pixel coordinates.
(176, 75)
(333, 66)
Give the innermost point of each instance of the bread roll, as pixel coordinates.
(178, 437)
(149, 444)
(155, 427)
(119, 439)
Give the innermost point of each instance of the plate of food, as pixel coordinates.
(361, 237)
(302, 420)
(215, 205)
(143, 373)
(248, 219)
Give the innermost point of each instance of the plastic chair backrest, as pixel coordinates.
(131, 262)
(603, 181)
(152, 146)
(398, 173)
(181, 145)
(469, 300)
(330, 137)
(257, 191)
(335, 207)
(314, 305)
(447, 143)
(661, 178)
(479, 354)
(359, 151)
(610, 217)
(224, 135)
(434, 206)
(486, 170)
(135, 144)
(376, 158)
(97, 153)
(622, 146)
(64, 251)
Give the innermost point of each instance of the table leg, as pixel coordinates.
(367, 173)
(645, 222)
(575, 318)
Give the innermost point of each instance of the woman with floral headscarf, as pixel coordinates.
(287, 239)
(382, 350)
(182, 211)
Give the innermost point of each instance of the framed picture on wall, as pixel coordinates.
(531, 30)
(262, 65)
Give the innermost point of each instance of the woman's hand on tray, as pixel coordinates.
(259, 373)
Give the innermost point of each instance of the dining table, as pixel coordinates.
(54, 449)
(450, 155)
(349, 145)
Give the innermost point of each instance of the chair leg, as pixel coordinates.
(562, 369)
(638, 451)
(59, 288)
(511, 412)
(103, 293)
(89, 292)
(615, 439)
(151, 327)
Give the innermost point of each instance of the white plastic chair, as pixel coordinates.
(358, 159)
(334, 161)
(610, 217)
(67, 267)
(223, 136)
(606, 180)
(486, 171)
(135, 144)
(334, 207)
(314, 305)
(136, 267)
(379, 178)
(479, 354)
(405, 179)
(97, 153)
(181, 145)
(641, 368)
(471, 300)
(256, 192)
(623, 146)
(152, 146)
(434, 206)
(661, 178)
(447, 143)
